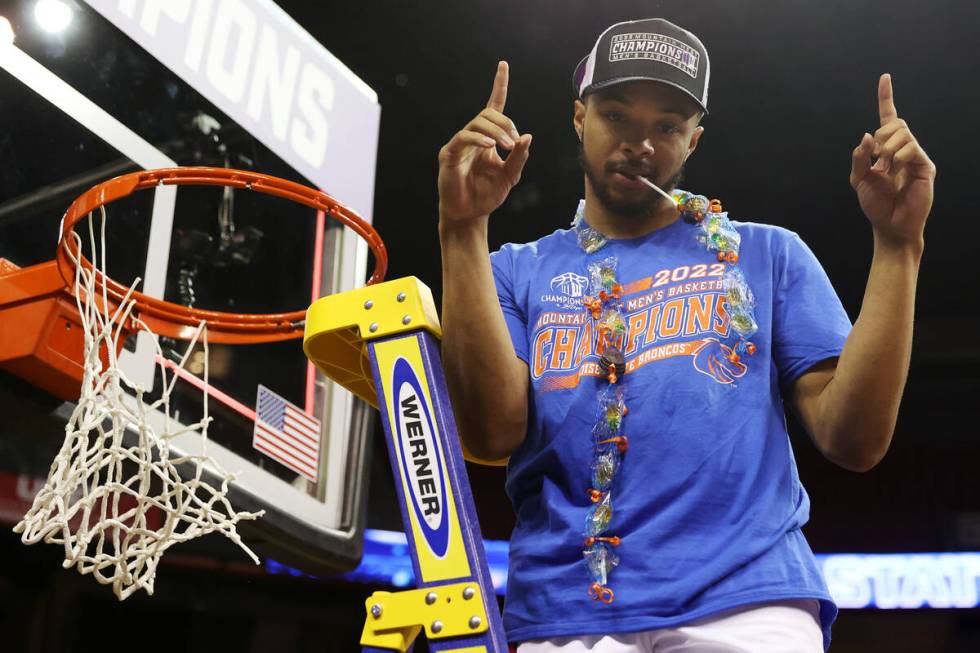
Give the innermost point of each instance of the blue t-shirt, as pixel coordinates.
(708, 501)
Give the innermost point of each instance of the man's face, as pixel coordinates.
(635, 129)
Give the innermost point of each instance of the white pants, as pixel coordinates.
(782, 627)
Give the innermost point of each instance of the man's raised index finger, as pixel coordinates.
(498, 96)
(886, 101)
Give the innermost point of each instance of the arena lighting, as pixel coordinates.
(6, 32)
(53, 16)
(910, 581)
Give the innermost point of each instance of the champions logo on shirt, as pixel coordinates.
(688, 318)
(420, 457)
(568, 290)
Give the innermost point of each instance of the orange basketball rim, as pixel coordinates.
(40, 334)
(176, 321)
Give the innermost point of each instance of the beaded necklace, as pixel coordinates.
(609, 442)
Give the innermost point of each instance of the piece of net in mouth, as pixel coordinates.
(655, 187)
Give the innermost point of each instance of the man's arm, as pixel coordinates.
(487, 383)
(850, 406)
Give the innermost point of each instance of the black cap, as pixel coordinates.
(652, 49)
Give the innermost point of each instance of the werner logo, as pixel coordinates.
(568, 289)
(420, 457)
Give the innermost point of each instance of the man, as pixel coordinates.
(637, 390)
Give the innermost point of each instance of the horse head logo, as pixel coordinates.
(712, 358)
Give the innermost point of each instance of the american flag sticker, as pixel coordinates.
(286, 434)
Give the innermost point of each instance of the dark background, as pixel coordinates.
(793, 88)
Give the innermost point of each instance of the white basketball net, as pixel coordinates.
(117, 503)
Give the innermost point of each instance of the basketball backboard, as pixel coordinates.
(107, 87)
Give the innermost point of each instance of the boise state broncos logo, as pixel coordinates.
(712, 358)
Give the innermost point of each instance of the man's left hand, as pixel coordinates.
(896, 191)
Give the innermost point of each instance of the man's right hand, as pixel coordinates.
(473, 179)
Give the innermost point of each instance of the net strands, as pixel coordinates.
(117, 501)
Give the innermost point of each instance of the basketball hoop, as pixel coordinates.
(117, 495)
(176, 321)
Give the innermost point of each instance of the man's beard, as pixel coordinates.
(642, 207)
